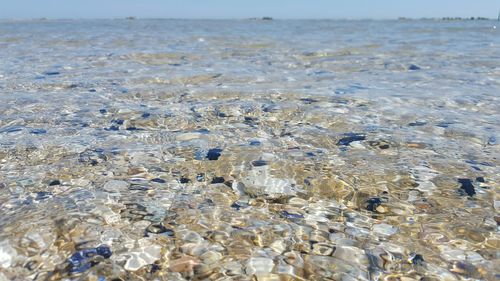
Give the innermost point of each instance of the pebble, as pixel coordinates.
(259, 266)
(350, 137)
(214, 154)
(184, 265)
(413, 67)
(467, 187)
(38, 131)
(7, 254)
(83, 260)
(373, 203)
(116, 186)
(158, 180)
(54, 182)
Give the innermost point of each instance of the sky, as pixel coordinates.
(230, 9)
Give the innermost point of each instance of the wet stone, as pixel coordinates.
(103, 111)
(480, 179)
(214, 154)
(51, 73)
(38, 131)
(54, 182)
(350, 137)
(117, 121)
(254, 143)
(417, 123)
(289, 215)
(83, 260)
(258, 163)
(42, 195)
(413, 67)
(158, 180)
(417, 259)
(467, 187)
(184, 180)
(373, 203)
(146, 115)
(159, 228)
(200, 177)
(217, 180)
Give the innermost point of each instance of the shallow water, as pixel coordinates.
(240, 150)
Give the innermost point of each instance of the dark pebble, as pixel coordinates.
(221, 114)
(480, 179)
(254, 143)
(418, 259)
(373, 203)
(218, 180)
(159, 228)
(83, 260)
(414, 67)
(112, 128)
(103, 111)
(350, 137)
(92, 90)
(50, 73)
(308, 100)
(417, 123)
(384, 146)
(258, 163)
(200, 177)
(138, 187)
(184, 180)
(467, 187)
(214, 154)
(42, 195)
(158, 180)
(288, 215)
(38, 131)
(117, 121)
(146, 115)
(133, 129)
(54, 182)
(236, 206)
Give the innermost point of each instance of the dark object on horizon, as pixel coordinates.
(130, 18)
(263, 18)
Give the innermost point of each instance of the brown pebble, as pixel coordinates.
(185, 264)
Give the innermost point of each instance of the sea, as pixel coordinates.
(157, 149)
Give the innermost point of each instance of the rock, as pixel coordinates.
(214, 154)
(258, 163)
(467, 187)
(38, 131)
(217, 180)
(184, 265)
(54, 182)
(373, 203)
(350, 137)
(413, 67)
(83, 260)
(416, 259)
(259, 266)
(7, 254)
(211, 257)
(259, 182)
(158, 180)
(115, 186)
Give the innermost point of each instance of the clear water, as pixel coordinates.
(273, 150)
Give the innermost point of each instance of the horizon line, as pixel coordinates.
(264, 18)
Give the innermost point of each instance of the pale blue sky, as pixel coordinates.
(377, 9)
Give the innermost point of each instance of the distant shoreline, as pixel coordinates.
(131, 18)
